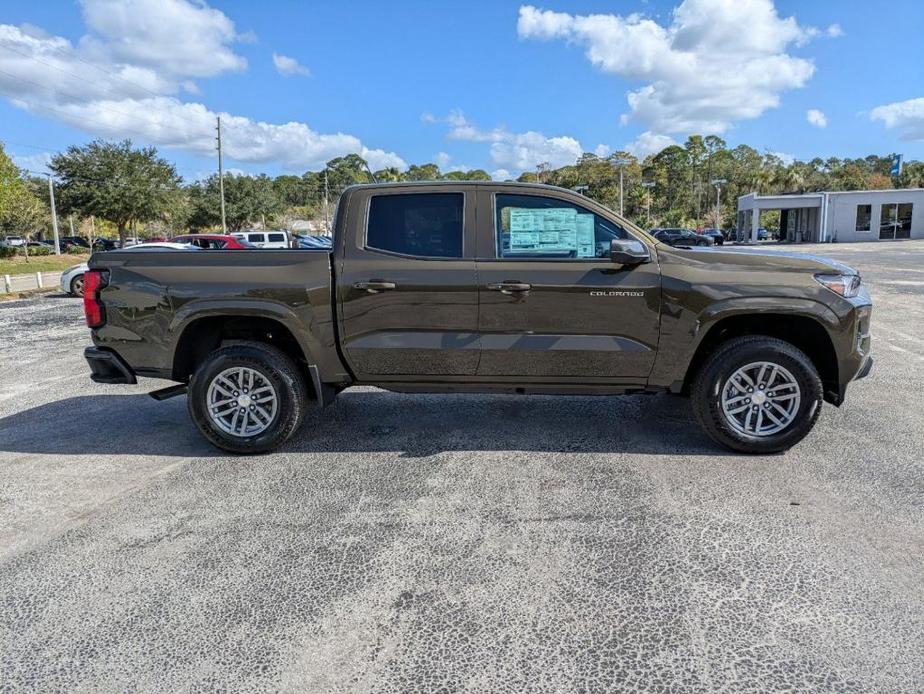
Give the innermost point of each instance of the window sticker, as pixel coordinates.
(550, 230)
(585, 236)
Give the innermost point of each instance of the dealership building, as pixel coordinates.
(823, 217)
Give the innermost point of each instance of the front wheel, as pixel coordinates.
(77, 286)
(757, 395)
(247, 398)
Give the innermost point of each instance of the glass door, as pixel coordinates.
(895, 220)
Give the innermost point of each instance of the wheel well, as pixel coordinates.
(800, 331)
(203, 336)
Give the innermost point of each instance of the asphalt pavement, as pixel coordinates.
(405, 543)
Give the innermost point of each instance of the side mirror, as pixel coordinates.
(629, 252)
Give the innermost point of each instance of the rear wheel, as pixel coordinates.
(247, 397)
(77, 286)
(757, 395)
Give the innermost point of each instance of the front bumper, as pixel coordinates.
(108, 367)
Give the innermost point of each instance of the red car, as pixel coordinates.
(213, 241)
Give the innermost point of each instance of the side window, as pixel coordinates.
(276, 237)
(255, 238)
(534, 226)
(864, 215)
(428, 225)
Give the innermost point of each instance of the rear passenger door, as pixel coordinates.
(406, 283)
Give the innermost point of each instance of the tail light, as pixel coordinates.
(93, 310)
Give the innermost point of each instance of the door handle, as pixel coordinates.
(510, 287)
(375, 286)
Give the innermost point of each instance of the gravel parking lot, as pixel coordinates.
(443, 543)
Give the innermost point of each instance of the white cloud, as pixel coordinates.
(602, 151)
(784, 157)
(716, 63)
(174, 36)
(515, 151)
(905, 116)
(108, 87)
(649, 143)
(442, 160)
(36, 163)
(289, 66)
(501, 175)
(834, 31)
(816, 118)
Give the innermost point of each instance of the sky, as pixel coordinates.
(501, 86)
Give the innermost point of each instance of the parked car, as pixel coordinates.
(762, 234)
(77, 241)
(680, 237)
(12, 242)
(265, 239)
(101, 244)
(718, 239)
(214, 241)
(72, 280)
(415, 295)
(161, 246)
(312, 242)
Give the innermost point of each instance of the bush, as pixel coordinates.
(76, 250)
(7, 251)
(39, 250)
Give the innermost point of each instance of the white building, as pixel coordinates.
(855, 215)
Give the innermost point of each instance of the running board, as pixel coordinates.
(169, 392)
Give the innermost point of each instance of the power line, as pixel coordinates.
(74, 56)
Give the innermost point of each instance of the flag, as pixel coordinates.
(896, 165)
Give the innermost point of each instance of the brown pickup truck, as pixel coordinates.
(481, 287)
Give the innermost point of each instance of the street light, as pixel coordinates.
(621, 162)
(580, 189)
(717, 182)
(649, 185)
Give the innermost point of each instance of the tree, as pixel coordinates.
(20, 210)
(247, 199)
(422, 172)
(116, 182)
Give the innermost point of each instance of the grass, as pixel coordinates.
(42, 263)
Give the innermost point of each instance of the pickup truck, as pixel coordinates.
(459, 287)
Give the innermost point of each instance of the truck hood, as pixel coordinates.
(782, 260)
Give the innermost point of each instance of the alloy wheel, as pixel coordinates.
(761, 399)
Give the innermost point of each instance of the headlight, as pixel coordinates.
(848, 286)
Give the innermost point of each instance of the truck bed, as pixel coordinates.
(151, 298)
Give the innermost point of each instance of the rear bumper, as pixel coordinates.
(108, 367)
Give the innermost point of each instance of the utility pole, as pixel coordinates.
(648, 185)
(717, 182)
(621, 162)
(326, 210)
(54, 214)
(221, 180)
(541, 168)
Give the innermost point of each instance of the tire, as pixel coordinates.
(712, 383)
(77, 286)
(267, 366)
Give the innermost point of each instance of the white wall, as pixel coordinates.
(842, 213)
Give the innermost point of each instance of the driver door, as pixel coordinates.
(552, 303)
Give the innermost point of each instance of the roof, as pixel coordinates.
(437, 184)
(819, 193)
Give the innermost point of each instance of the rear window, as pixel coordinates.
(420, 224)
(276, 237)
